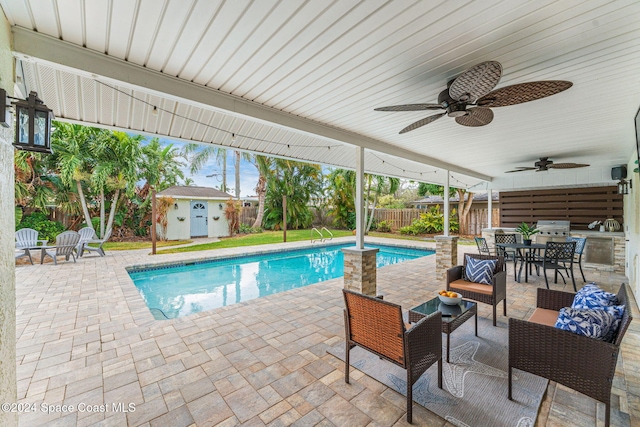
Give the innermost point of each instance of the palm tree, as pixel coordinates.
(263, 164)
(161, 169)
(298, 182)
(379, 184)
(72, 147)
(198, 155)
(117, 155)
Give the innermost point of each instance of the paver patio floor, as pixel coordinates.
(85, 336)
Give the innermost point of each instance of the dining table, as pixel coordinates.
(525, 253)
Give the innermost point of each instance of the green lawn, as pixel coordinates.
(263, 238)
(128, 246)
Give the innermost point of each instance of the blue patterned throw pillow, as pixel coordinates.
(587, 322)
(591, 296)
(480, 270)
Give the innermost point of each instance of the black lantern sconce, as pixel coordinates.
(175, 206)
(624, 186)
(33, 125)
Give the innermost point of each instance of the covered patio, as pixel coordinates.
(261, 362)
(299, 81)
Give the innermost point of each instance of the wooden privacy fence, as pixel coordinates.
(248, 215)
(399, 218)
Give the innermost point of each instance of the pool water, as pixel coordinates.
(185, 289)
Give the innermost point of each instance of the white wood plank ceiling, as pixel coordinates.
(300, 79)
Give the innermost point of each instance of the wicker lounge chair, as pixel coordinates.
(584, 364)
(27, 238)
(87, 236)
(488, 294)
(66, 243)
(378, 326)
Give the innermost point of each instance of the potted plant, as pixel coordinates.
(527, 231)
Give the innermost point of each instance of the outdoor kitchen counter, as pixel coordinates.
(605, 250)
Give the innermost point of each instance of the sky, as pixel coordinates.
(248, 173)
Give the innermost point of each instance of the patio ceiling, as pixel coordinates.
(301, 79)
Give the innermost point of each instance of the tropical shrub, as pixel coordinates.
(246, 229)
(39, 221)
(384, 226)
(430, 222)
(232, 213)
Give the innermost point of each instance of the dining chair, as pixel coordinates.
(508, 254)
(558, 256)
(483, 248)
(577, 256)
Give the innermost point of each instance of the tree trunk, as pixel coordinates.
(237, 167)
(83, 202)
(224, 172)
(261, 189)
(284, 218)
(375, 201)
(101, 212)
(463, 211)
(112, 214)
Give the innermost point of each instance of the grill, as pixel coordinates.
(552, 231)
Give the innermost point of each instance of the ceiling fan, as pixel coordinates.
(545, 164)
(469, 96)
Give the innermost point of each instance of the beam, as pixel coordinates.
(32, 46)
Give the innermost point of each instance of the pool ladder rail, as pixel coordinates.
(322, 238)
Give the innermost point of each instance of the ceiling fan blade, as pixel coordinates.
(567, 165)
(477, 116)
(523, 92)
(410, 107)
(475, 82)
(422, 122)
(521, 169)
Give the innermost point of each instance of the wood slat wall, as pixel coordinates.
(581, 206)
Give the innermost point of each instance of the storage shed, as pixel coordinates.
(197, 212)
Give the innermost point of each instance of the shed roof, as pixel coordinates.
(184, 191)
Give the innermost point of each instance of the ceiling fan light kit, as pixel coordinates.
(470, 96)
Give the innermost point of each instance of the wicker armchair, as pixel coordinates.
(584, 364)
(488, 294)
(378, 326)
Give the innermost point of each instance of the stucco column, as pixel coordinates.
(360, 270)
(8, 389)
(446, 256)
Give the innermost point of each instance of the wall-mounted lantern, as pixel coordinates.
(175, 206)
(220, 206)
(624, 186)
(33, 125)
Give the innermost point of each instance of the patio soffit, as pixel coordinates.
(301, 80)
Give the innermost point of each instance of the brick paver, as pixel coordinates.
(84, 335)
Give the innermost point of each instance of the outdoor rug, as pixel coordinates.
(474, 384)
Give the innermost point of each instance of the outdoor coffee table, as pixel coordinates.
(453, 316)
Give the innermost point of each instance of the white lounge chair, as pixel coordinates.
(65, 245)
(26, 239)
(88, 235)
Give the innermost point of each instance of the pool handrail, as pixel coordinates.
(328, 231)
(319, 232)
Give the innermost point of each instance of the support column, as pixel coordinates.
(490, 206)
(360, 198)
(8, 384)
(446, 205)
(360, 270)
(446, 256)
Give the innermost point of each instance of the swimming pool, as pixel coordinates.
(187, 288)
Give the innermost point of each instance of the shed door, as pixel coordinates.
(199, 219)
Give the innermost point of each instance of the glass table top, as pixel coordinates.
(449, 312)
